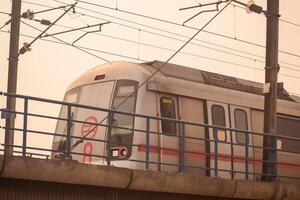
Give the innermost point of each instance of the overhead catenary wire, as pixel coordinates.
(5, 13)
(140, 59)
(186, 53)
(167, 31)
(204, 57)
(151, 27)
(178, 24)
(289, 22)
(226, 52)
(211, 44)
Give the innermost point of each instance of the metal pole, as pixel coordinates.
(25, 118)
(69, 129)
(109, 138)
(147, 142)
(12, 76)
(269, 168)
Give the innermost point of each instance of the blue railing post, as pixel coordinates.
(69, 127)
(247, 157)
(231, 154)
(110, 124)
(147, 142)
(181, 147)
(215, 133)
(25, 126)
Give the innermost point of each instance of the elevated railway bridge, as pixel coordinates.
(62, 172)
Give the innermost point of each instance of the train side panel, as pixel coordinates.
(288, 162)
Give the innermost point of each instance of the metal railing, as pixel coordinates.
(245, 162)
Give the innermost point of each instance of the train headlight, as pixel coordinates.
(115, 152)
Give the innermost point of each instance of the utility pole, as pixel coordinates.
(12, 76)
(269, 168)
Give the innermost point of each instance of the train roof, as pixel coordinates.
(215, 79)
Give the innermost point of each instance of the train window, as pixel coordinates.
(167, 108)
(289, 126)
(241, 122)
(218, 119)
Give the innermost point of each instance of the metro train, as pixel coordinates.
(184, 94)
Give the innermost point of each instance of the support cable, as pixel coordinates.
(139, 44)
(234, 21)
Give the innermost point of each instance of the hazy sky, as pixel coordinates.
(48, 69)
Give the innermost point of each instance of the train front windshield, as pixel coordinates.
(123, 134)
(59, 142)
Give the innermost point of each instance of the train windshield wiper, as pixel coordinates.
(116, 131)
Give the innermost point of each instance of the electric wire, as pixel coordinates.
(289, 22)
(226, 52)
(219, 50)
(177, 24)
(4, 13)
(186, 53)
(139, 59)
(210, 43)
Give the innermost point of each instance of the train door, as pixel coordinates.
(168, 143)
(96, 95)
(241, 119)
(191, 110)
(220, 161)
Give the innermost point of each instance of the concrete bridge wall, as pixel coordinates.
(133, 182)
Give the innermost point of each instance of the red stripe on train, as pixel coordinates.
(221, 157)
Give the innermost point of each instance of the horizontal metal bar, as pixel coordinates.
(200, 139)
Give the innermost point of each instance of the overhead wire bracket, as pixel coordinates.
(250, 7)
(27, 46)
(29, 14)
(76, 29)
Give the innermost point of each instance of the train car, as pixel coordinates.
(184, 94)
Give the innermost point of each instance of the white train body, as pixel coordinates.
(185, 94)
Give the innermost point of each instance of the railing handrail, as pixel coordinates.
(143, 116)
